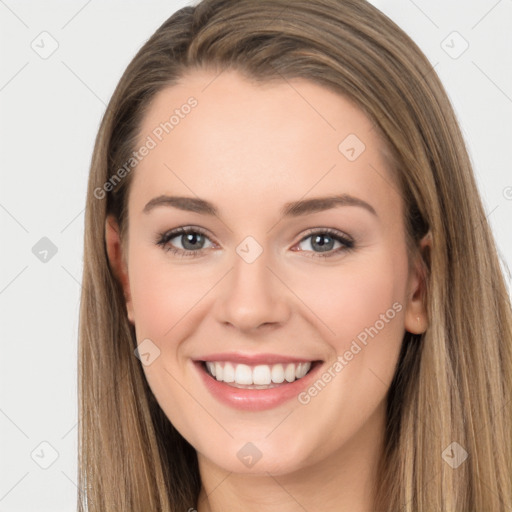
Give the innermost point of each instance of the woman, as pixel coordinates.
(291, 295)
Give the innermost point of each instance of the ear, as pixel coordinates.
(117, 260)
(416, 320)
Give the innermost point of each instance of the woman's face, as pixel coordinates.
(295, 260)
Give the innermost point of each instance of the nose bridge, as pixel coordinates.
(251, 294)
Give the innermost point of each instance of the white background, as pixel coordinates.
(50, 112)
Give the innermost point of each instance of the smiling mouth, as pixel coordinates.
(261, 376)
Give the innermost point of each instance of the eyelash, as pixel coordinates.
(164, 238)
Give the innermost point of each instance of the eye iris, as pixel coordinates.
(192, 238)
(320, 241)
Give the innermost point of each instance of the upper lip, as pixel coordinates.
(254, 359)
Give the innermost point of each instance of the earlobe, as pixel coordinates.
(416, 320)
(117, 260)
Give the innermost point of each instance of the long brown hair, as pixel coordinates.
(452, 384)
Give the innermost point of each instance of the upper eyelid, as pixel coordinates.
(173, 233)
(329, 231)
(166, 236)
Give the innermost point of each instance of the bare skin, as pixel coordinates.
(249, 149)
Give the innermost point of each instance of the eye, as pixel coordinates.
(186, 241)
(324, 241)
(190, 242)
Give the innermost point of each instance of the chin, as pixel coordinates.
(259, 458)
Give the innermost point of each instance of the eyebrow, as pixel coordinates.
(293, 209)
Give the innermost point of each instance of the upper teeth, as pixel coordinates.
(262, 374)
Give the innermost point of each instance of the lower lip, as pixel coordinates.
(256, 399)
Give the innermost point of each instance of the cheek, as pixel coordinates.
(163, 295)
(169, 302)
(166, 302)
(353, 298)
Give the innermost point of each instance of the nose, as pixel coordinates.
(252, 297)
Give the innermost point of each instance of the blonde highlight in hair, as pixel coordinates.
(452, 384)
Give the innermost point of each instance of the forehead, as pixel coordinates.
(221, 135)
